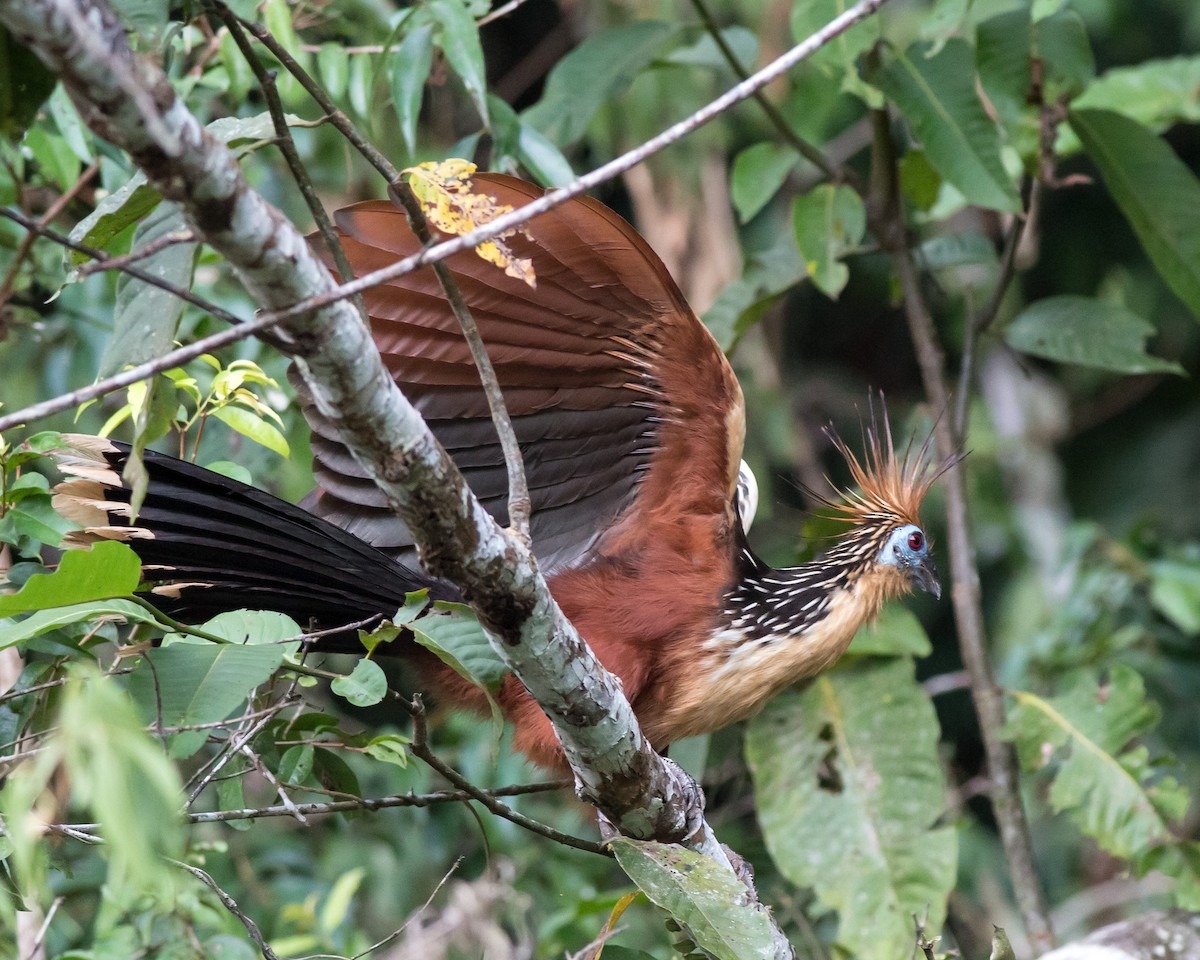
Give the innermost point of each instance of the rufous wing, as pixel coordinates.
(614, 387)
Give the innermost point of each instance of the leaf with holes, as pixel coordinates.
(849, 788)
(1103, 781)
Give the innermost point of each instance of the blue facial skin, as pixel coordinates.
(908, 549)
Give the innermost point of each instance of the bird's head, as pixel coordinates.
(883, 508)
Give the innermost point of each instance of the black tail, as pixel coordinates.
(211, 544)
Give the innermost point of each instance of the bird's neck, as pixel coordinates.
(776, 626)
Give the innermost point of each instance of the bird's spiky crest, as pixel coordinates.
(890, 487)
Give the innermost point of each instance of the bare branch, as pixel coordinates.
(887, 223)
(231, 905)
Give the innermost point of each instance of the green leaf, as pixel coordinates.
(296, 764)
(838, 58)
(456, 637)
(252, 626)
(145, 317)
(250, 424)
(239, 75)
(896, 632)
(1156, 192)
(25, 83)
(365, 686)
(919, 181)
(938, 98)
(1105, 786)
(960, 249)
(596, 72)
(35, 517)
(94, 612)
(705, 52)
(849, 788)
(829, 222)
(758, 173)
(113, 214)
(390, 748)
(744, 301)
(55, 160)
(66, 118)
(1003, 56)
(700, 894)
(542, 158)
(410, 71)
(337, 905)
(1061, 43)
(230, 793)
(333, 65)
(459, 41)
(117, 775)
(1087, 332)
(1175, 593)
(186, 684)
(109, 569)
(1156, 93)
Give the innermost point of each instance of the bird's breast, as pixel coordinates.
(738, 668)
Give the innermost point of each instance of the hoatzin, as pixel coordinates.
(631, 424)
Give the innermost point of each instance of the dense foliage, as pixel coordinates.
(1034, 161)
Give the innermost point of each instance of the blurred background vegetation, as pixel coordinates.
(1082, 470)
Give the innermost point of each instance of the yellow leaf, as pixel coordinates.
(444, 191)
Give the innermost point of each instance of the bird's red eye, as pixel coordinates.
(916, 540)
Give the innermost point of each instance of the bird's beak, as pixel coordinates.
(925, 576)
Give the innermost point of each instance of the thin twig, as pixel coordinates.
(287, 146)
(979, 324)
(807, 150)
(420, 749)
(125, 267)
(285, 800)
(339, 119)
(370, 804)
(36, 946)
(47, 218)
(231, 905)
(231, 749)
(887, 223)
(144, 252)
(399, 930)
(501, 11)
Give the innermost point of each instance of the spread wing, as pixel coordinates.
(617, 393)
